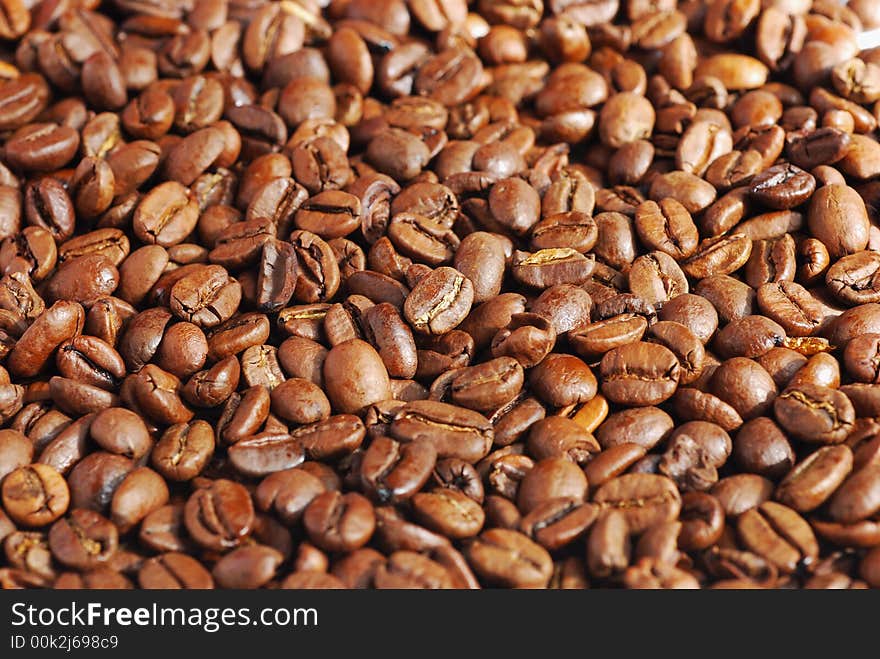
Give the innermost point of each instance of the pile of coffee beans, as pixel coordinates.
(439, 294)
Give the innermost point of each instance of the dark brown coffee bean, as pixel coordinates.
(837, 217)
(207, 297)
(266, 452)
(83, 540)
(237, 334)
(184, 450)
(639, 374)
(815, 413)
(792, 306)
(857, 497)
(394, 471)
(220, 515)
(761, 447)
(454, 431)
(439, 302)
(742, 492)
(718, 256)
(667, 227)
(851, 278)
(779, 534)
(35, 495)
(509, 558)
(782, 187)
(121, 431)
(174, 570)
(644, 499)
(337, 522)
(812, 481)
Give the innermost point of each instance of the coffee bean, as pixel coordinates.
(857, 496)
(439, 302)
(184, 450)
(639, 374)
(842, 227)
(83, 540)
(207, 297)
(702, 521)
(174, 570)
(643, 499)
(454, 431)
(35, 495)
(219, 515)
(779, 534)
(337, 522)
(815, 413)
(509, 558)
(250, 567)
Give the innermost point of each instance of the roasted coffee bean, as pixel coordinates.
(184, 450)
(639, 374)
(608, 546)
(718, 256)
(552, 266)
(857, 497)
(265, 453)
(356, 376)
(644, 499)
(237, 334)
(138, 494)
(558, 436)
(792, 306)
(645, 426)
(771, 261)
(509, 558)
(90, 360)
(551, 478)
(702, 521)
(288, 493)
(528, 338)
(121, 431)
(155, 392)
(562, 380)
(761, 447)
(851, 278)
(439, 302)
(35, 495)
(838, 218)
(812, 481)
(394, 471)
(778, 534)
(211, 387)
(336, 437)
(667, 226)
(219, 515)
(752, 336)
(207, 297)
(815, 413)
(599, 338)
(250, 566)
(656, 278)
(782, 187)
(174, 570)
(454, 431)
(449, 512)
(742, 492)
(337, 522)
(83, 540)
(60, 322)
